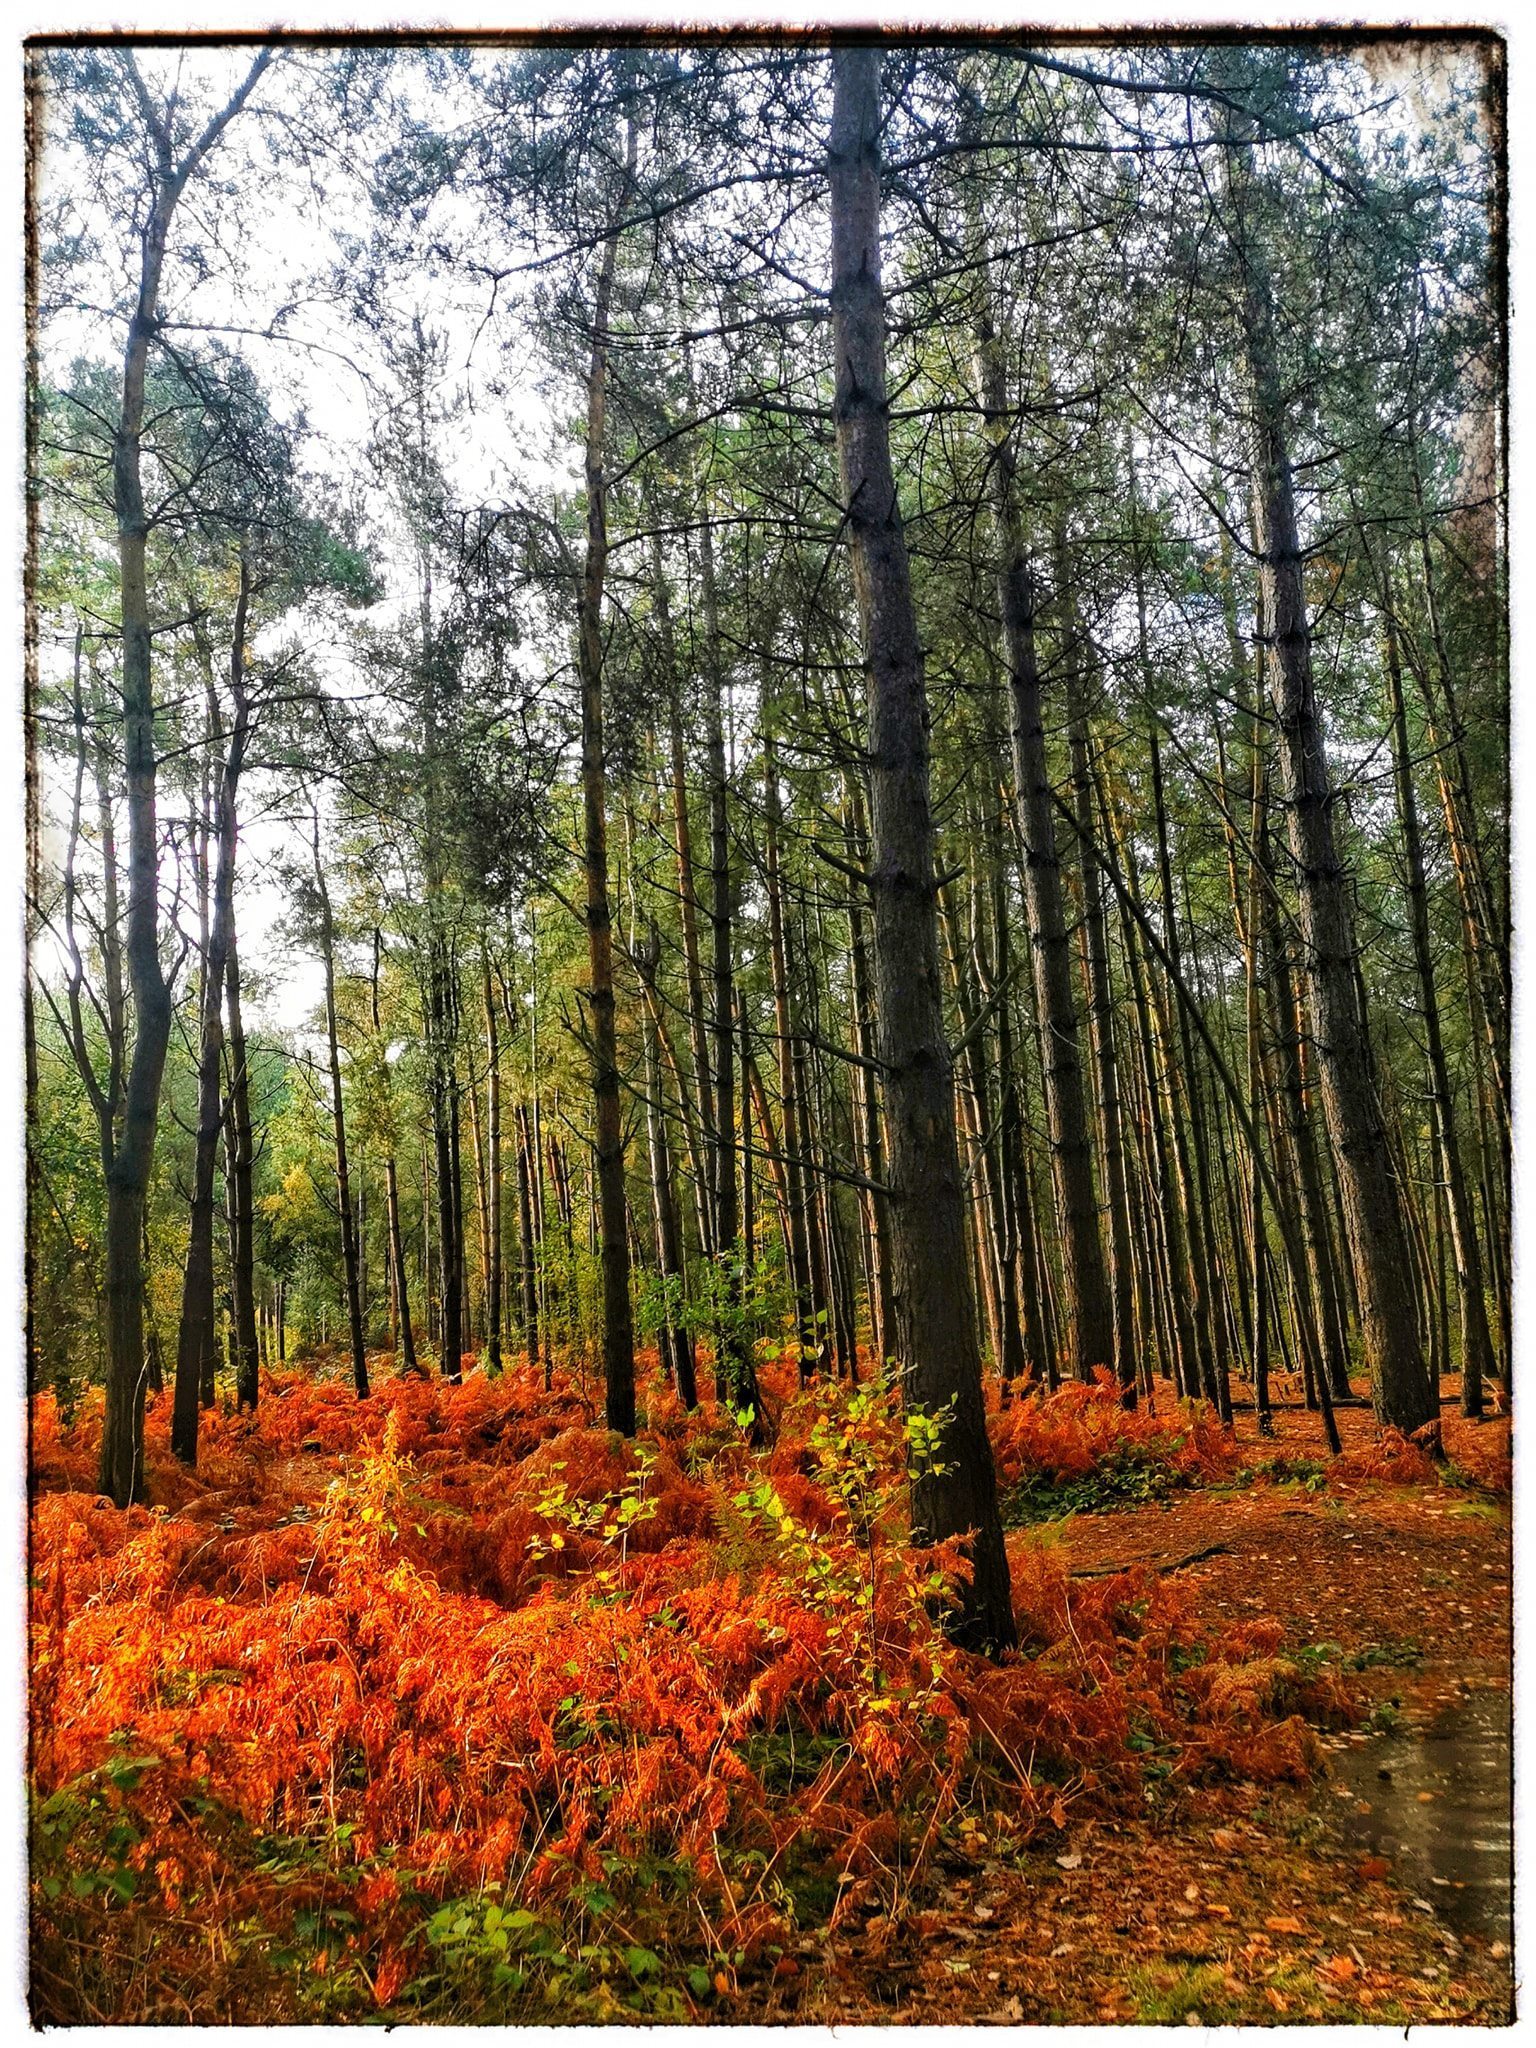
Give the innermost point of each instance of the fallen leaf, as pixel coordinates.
(1070, 1862)
(1342, 1967)
(1283, 1923)
(1276, 1998)
(1373, 1867)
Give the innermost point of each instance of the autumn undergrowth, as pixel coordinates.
(1079, 1450)
(451, 1704)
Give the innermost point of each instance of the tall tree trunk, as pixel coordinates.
(676, 1341)
(733, 1355)
(1179, 989)
(493, 1281)
(242, 1201)
(399, 1286)
(1102, 1034)
(871, 1149)
(935, 1315)
(121, 1469)
(442, 1011)
(195, 1337)
(618, 1325)
(528, 1249)
(688, 914)
(338, 1114)
(1089, 1311)
(784, 1040)
(1188, 1132)
(1372, 1199)
(1477, 1363)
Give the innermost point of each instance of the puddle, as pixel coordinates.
(1454, 1847)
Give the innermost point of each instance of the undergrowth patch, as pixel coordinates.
(451, 1704)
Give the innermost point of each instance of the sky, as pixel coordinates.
(329, 371)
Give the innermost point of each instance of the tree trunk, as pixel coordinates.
(935, 1315)
(784, 1037)
(872, 1139)
(241, 1170)
(338, 1112)
(1372, 1199)
(493, 1282)
(1477, 1362)
(1102, 1035)
(121, 1469)
(676, 1342)
(608, 1136)
(195, 1337)
(1089, 1312)
(688, 913)
(733, 1355)
(528, 1267)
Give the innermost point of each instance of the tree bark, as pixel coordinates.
(195, 1336)
(242, 1167)
(1089, 1312)
(618, 1325)
(935, 1315)
(1477, 1362)
(338, 1113)
(122, 1438)
(1372, 1200)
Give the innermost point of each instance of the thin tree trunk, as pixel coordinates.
(784, 1036)
(876, 1203)
(242, 1166)
(1477, 1362)
(527, 1175)
(338, 1113)
(1102, 1033)
(195, 1337)
(399, 1286)
(676, 1342)
(733, 1356)
(493, 1279)
(1086, 1282)
(688, 913)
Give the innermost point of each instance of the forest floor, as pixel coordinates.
(1235, 1906)
(467, 1613)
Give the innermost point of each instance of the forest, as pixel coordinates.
(767, 1031)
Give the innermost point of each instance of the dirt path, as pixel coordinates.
(1235, 1905)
